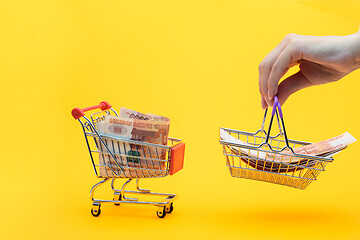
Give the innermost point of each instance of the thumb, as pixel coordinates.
(291, 85)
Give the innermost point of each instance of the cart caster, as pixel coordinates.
(117, 197)
(95, 211)
(161, 212)
(169, 208)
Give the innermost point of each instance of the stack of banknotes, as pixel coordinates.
(137, 160)
(286, 161)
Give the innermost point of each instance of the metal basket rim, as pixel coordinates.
(259, 148)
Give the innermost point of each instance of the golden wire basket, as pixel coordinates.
(260, 156)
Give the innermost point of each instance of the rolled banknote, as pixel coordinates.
(158, 118)
(251, 152)
(135, 129)
(131, 168)
(128, 113)
(137, 160)
(323, 148)
(331, 145)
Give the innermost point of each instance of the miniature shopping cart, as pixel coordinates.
(260, 156)
(114, 157)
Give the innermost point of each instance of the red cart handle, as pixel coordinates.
(78, 112)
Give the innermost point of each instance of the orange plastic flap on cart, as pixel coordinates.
(177, 158)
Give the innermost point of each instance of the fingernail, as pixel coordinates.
(268, 102)
(271, 102)
(263, 104)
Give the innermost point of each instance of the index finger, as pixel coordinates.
(265, 69)
(286, 59)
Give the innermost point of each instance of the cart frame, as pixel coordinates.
(113, 168)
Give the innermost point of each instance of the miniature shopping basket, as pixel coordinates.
(114, 158)
(260, 156)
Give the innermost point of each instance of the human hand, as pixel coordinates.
(322, 60)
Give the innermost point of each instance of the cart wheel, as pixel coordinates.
(95, 211)
(169, 208)
(161, 212)
(117, 197)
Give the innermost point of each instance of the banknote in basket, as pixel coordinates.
(266, 161)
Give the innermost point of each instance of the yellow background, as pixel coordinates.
(193, 61)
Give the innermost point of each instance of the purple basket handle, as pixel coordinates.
(278, 106)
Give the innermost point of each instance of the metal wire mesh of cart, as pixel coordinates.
(262, 157)
(113, 157)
